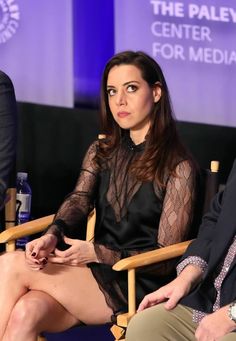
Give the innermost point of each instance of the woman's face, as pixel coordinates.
(131, 100)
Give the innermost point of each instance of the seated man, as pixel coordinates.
(200, 304)
(7, 133)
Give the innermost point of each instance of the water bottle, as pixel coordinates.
(23, 204)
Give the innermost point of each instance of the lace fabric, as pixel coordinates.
(177, 206)
(171, 224)
(123, 185)
(79, 203)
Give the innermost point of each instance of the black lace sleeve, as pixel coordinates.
(80, 202)
(178, 205)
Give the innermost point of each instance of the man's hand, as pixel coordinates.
(214, 326)
(173, 291)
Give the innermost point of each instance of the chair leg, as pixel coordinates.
(118, 332)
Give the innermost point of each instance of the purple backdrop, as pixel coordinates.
(194, 42)
(36, 49)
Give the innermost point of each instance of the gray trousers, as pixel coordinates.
(158, 324)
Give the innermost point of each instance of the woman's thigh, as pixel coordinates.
(156, 323)
(74, 287)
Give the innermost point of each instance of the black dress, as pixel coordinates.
(131, 217)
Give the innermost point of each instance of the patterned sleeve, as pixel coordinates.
(177, 211)
(178, 206)
(80, 202)
(193, 260)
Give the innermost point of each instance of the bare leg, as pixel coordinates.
(43, 308)
(74, 288)
(9, 291)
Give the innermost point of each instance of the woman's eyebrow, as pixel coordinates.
(126, 83)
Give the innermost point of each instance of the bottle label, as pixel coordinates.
(25, 202)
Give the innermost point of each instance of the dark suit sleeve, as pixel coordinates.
(201, 246)
(8, 121)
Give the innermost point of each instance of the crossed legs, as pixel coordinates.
(53, 299)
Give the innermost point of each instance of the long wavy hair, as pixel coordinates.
(163, 148)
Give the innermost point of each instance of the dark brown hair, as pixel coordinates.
(163, 149)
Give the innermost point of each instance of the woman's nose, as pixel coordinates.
(120, 98)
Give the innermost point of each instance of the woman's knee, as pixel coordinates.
(27, 313)
(9, 261)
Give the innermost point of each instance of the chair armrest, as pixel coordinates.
(26, 229)
(151, 257)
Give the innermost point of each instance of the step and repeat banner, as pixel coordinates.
(36, 49)
(195, 44)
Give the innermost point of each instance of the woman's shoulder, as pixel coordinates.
(184, 165)
(182, 168)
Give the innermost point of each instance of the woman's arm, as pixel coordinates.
(80, 202)
(177, 211)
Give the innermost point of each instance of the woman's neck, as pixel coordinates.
(136, 137)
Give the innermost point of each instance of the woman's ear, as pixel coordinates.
(156, 92)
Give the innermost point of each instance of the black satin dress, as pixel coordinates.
(133, 230)
(129, 214)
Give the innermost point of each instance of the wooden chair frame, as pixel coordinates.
(129, 264)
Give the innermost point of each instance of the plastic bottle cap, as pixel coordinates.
(22, 175)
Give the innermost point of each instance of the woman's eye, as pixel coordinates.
(131, 88)
(111, 92)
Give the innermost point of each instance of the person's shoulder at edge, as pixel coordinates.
(5, 77)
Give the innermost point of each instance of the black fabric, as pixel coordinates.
(215, 236)
(131, 216)
(206, 188)
(136, 231)
(8, 122)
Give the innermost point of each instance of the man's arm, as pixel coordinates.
(201, 246)
(8, 119)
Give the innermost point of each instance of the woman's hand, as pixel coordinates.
(79, 252)
(38, 250)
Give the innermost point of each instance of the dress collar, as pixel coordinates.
(131, 145)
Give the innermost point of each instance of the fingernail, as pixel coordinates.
(44, 261)
(33, 254)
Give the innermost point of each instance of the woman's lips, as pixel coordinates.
(122, 114)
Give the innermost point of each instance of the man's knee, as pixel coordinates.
(148, 324)
(229, 337)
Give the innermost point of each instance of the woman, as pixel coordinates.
(141, 181)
